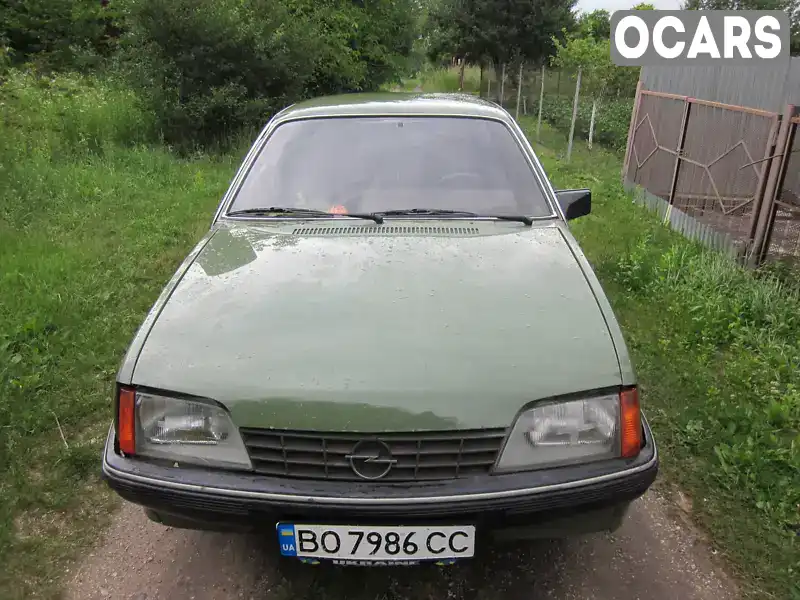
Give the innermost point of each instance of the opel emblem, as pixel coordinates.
(371, 459)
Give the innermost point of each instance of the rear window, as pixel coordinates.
(367, 164)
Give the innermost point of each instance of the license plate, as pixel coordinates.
(376, 545)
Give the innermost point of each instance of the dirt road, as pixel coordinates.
(655, 556)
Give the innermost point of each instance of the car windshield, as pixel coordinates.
(372, 164)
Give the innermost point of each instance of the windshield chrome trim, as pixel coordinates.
(513, 127)
(528, 147)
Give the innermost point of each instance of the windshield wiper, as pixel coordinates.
(283, 210)
(442, 211)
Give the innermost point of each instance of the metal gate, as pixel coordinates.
(782, 238)
(718, 172)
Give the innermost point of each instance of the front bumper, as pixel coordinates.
(547, 503)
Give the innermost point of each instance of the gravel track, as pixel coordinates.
(656, 555)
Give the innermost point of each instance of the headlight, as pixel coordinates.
(187, 431)
(574, 431)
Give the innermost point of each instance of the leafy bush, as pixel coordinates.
(611, 121)
(5, 59)
(719, 310)
(54, 33)
(209, 68)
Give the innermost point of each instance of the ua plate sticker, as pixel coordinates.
(286, 540)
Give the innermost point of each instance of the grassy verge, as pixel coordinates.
(717, 351)
(93, 221)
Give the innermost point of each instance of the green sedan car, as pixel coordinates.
(387, 349)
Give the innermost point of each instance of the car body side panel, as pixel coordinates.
(382, 332)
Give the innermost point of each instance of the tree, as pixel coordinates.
(596, 24)
(209, 68)
(590, 55)
(644, 6)
(791, 7)
(593, 58)
(52, 32)
(453, 29)
(501, 30)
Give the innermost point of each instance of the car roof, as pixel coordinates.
(395, 103)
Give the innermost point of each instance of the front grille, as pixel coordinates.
(419, 456)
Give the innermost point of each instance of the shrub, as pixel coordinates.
(724, 317)
(54, 33)
(211, 67)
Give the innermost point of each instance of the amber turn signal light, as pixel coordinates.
(126, 422)
(631, 422)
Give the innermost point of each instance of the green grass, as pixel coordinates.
(445, 80)
(93, 222)
(717, 351)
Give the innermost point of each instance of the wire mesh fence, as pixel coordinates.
(725, 175)
(522, 91)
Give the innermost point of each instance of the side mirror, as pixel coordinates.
(575, 203)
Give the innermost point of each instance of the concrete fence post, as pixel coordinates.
(574, 114)
(502, 84)
(541, 101)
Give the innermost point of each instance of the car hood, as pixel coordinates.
(376, 332)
